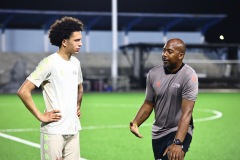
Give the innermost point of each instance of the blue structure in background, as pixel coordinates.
(98, 26)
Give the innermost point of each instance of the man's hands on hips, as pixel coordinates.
(52, 116)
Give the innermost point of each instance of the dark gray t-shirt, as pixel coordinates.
(166, 91)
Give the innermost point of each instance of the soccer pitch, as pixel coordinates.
(106, 136)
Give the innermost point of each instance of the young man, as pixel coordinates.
(171, 91)
(60, 77)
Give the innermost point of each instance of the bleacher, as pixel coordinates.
(96, 68)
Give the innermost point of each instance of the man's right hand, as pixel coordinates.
(134, 130)
(52, 116)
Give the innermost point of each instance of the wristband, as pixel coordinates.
(134, 124)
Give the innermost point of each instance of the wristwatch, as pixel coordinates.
(178, 142)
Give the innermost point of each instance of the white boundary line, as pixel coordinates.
(19, 130)
(216, 115)
(16, 139)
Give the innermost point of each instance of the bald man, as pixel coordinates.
(171, 91)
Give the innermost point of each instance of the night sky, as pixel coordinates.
(229, 27)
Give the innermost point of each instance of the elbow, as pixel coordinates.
(81, 92)
(21, 92)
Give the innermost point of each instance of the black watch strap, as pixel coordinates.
(177, 142)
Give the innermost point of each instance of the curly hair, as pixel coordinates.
(63, 29)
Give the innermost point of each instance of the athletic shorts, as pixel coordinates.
(160, 145)
(58, 147)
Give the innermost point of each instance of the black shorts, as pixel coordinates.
(159, 145)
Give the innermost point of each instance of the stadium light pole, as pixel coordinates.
(114, 67)
(45, 41)
(3, 38)
(87, 42)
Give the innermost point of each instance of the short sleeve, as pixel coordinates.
(41, 73)
(190, 90)
(150, 95)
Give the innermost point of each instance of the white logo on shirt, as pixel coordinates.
(175, 85)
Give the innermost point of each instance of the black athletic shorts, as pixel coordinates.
(159, 145)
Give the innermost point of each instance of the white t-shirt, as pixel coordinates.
(59, 80)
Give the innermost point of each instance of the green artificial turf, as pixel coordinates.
(106, 136)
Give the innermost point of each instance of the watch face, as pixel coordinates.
(177, 142)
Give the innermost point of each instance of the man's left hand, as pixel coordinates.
(174, 152)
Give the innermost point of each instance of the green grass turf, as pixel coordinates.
(106, 135)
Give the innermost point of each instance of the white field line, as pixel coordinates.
(217, 114)
(19, 130)
(16, 139)
(19, 140)
(127, 105)
(84, 128)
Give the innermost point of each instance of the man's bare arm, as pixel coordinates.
(25, 94)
